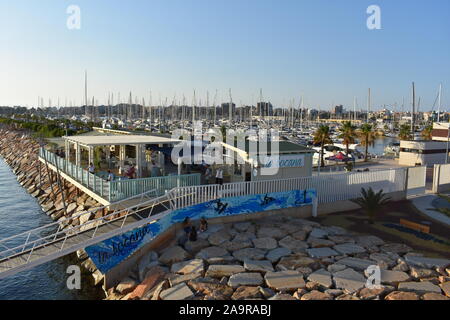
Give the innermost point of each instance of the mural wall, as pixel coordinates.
(109, 253)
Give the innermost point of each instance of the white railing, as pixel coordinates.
(441, 178)
(30, 239)
(329, 188)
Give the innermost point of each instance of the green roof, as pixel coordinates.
(284, 147)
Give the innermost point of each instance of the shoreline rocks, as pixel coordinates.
(336, 271)
(20, 152)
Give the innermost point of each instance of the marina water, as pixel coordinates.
(20, 212)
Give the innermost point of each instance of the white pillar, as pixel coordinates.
(91, 155)
(67, 149)
(161, 163)
(121, 158)
(77, 154)
(139, 160)
(108, 156)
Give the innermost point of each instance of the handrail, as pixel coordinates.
(67, 232)
(59, 222)
(180, 197)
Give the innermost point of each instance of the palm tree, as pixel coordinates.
(348, 134)
(367, 136)
(405, 132)
(427, 132)
(371, 202)
(322, 137)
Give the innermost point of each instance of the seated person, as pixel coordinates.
(110, 176)
(203, 225)
(131, 173)
(187, 225)
(192, 234)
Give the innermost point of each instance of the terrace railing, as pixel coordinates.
(91, 181)
(121, 189)
(37, 246)
(117, 190)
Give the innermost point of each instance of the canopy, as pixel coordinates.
(340, 157)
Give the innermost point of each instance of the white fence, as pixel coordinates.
(441, 178)
(417, 177)
(329, 188)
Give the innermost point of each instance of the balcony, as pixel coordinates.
(107, 192)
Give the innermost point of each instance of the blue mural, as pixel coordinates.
(109, 253)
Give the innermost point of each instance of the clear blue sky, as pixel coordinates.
(321, 49)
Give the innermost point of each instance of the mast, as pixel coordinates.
(439, 103)
(86, 112)
(230, 113)
(301, 114)
(368, 106)
(413, 108)
(193, 110)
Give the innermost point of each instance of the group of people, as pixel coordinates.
(190, 231)
(60, 153)
(209, 175)
(129, 173)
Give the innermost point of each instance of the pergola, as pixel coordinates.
(90, 142)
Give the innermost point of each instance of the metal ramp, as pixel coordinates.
(32, 248)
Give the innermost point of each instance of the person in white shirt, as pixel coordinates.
(110, 176)
(91, 168)
(219, 176)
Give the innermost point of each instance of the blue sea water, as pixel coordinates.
(20, 212)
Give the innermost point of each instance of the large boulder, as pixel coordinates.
(391, 277)
(258, 265)
(316, 295)
(185, 267)
(427, 262)
(179, 292)
(285, 280)
(400, 295)
(249, 253)
(348, 248)
(322, 277)
(126, 286)
(219, 237)
(211, 252)
(276, 254)
(270, 232)
(349, 280)
(419, 287)
(219, 271)
(246, 292)
(293, 244)
(265, 243)
(172, 255)
(245, 279)
(321, 252)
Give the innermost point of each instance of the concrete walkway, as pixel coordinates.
(424, 203)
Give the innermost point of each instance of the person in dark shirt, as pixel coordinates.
(193, 234)
(203, 225)
(187, 225)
